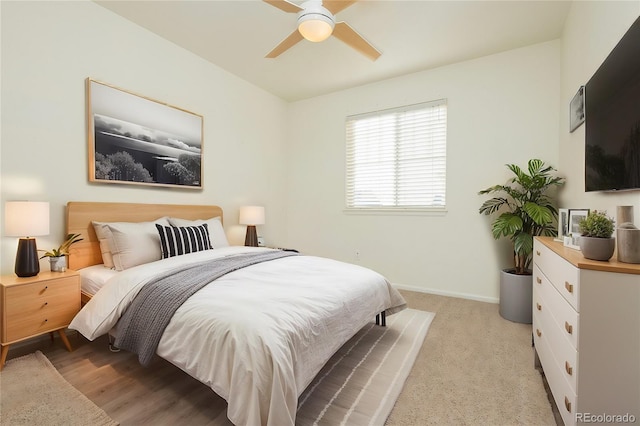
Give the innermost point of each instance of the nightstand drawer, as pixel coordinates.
(36, 308)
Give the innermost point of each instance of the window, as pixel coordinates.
(396, 159)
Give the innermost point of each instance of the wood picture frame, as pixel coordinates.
(138, 140)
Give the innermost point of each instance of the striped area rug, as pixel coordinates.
(362, 381)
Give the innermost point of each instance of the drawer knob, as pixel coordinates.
(538, 332)
(45, 320)
(539, 280)
(568, 286)
(567, 404)
(46, 303)
(568, 368)
(539, 306)
(568, 327)
(537, 252)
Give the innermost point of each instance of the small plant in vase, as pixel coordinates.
(596, 242)
(57, 256)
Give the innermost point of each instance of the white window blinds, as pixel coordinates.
(396, 159)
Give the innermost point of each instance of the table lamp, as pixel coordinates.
(26, 219)
(251, 216)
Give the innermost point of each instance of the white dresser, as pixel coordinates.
(586, 326)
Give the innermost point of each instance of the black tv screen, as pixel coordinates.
(612, 118)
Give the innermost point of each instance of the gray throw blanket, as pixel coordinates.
(142, 324)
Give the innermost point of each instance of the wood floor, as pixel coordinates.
(131, 394)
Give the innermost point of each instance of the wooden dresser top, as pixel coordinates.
(576, 258)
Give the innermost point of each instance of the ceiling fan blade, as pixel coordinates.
(285, 44)
(335, 6)
(284, 5)
(348, 35)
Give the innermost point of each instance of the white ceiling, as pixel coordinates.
(412, 36)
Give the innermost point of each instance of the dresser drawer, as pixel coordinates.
(36, 308)
(545, 327)
(564, 396)
(564, 315)
(563, 275)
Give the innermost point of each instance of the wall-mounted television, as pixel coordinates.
(612, 118)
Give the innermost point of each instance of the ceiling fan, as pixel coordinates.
(316, 22)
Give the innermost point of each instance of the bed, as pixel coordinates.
(257, 335)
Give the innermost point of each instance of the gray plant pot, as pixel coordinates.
(58, 264)
(597, 248)
(516, 296)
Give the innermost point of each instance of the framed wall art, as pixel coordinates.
(137, 140)
(576, 110)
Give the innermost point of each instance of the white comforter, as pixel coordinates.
(259, 335)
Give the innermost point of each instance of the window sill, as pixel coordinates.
(397, 211)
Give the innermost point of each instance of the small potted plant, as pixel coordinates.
(596, 241)
(57, 256)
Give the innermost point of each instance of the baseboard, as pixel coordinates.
(446, 293)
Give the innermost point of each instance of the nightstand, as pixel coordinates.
(37, 305)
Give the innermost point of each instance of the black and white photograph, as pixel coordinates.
(563, 224)
(573, 234)
(576, 110)
(134, 139)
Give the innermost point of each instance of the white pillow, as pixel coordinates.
(216, 232)
(131, 243)
(107, 258)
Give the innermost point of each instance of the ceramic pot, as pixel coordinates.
(629, 245)
(58, 264)
(516, 296)
(597, 248)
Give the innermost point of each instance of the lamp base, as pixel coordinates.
(251, 240)
(27, 262)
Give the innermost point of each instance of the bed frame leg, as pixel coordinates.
(381, 319)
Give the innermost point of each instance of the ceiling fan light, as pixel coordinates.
(315, 26)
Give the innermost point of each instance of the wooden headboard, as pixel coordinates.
(81, 214)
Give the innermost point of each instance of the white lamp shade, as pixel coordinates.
(252, 215)
(26, 218)
(315, 23)
(315, 28)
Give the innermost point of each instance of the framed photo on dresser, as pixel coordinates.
(572, 238)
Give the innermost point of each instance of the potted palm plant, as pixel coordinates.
(58, 256)
(596, 242)
(525, 209)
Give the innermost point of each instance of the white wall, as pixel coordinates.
(501, 109)
(591, 31)
(50, 48)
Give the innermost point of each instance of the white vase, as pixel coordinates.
(58, 264)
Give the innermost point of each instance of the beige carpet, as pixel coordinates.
(475, 368)
(361, 382)
(32, 392)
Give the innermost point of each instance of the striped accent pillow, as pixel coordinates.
(176, 241)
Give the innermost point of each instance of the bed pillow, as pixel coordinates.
(107, 258)
(131, 243)
(216, 232)
(176, 241)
